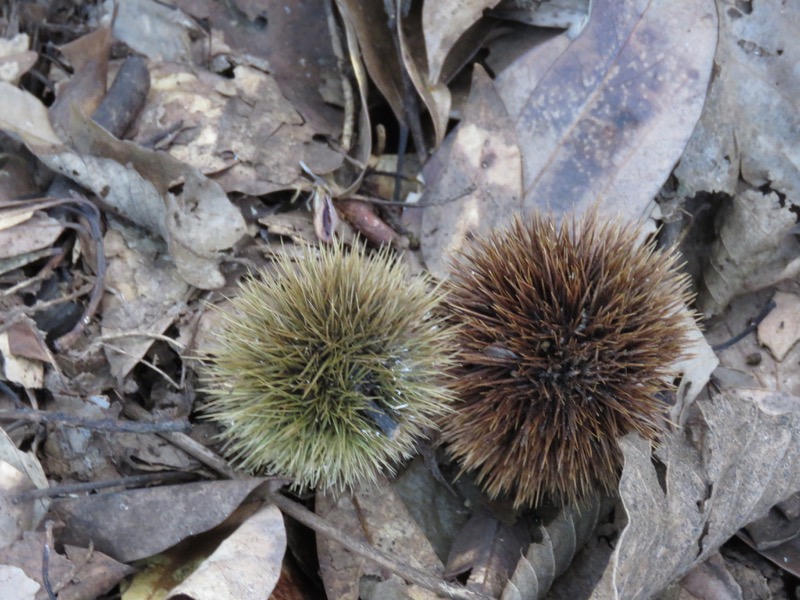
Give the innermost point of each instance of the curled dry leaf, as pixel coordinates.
(434, 94)
(753, 109)
(83, 92)
(443, 23)
(752, 250)
(744, 461)
(373, 41)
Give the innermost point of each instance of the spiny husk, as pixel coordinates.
(569, 335)
(313, 364)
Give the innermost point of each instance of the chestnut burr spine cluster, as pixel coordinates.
(569, 333)
(330, 371)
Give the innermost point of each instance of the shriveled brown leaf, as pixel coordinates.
(88, 55)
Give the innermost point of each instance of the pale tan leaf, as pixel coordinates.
(15, 57)
(25, 117)
(25, 231)
(780, 330)
(246, 566)
(15, 584)
(22, 371)
(149, 297)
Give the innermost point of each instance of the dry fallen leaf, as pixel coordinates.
(81, 574)
(14, 583)
(389, 527)
(726, 469)
(609, 118)
(15, 57)
(148, 296)
(245, 566)
(26, 231)
(751, 114)
(752, 249)
(240, 128)
(780, 330)
(443, 23)
(138, 523)
(480, 185)
(191, 212)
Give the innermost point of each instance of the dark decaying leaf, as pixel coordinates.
(135, 524)
(610, 129)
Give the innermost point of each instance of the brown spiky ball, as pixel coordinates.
(329, 372)
(569, 333)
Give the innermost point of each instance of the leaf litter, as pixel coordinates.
(264, 124)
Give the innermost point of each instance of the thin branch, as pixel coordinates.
(407, 572)
(68, 420)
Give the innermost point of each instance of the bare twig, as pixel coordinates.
(407, 572)
(187, 444)
(43, 416)
(133, 481)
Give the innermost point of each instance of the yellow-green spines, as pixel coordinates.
(329, 371)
